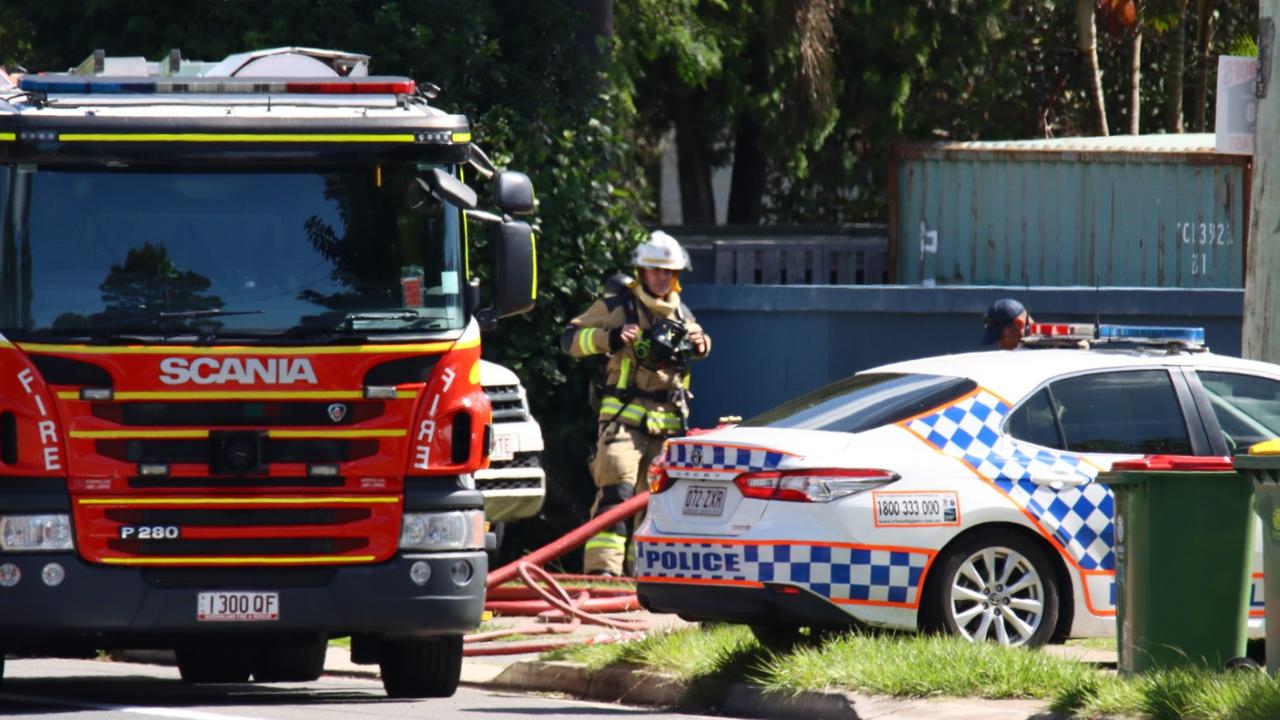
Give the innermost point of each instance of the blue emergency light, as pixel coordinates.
(1152, 333)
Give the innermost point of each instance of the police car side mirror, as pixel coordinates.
(513, 192)
(515, 284)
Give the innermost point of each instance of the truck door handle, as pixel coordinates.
(1059, 481)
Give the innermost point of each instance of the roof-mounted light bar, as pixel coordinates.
(78, 85)
(1143, 334)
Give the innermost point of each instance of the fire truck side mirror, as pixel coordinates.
(515, 282)
(513, 192)
(442, 185)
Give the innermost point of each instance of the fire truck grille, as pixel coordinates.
(219, 414)
(201, 517)
(238, 546)
(199, 451)
(274, 530)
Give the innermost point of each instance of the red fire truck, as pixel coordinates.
(239, 365)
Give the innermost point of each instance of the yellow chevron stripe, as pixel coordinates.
(418, 348)
(326, 560)
(337, 433)
(241, 395)
(332, 500)
(234, 137)
(138, 434)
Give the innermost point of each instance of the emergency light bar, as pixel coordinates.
(1149, 334)
(78, 85)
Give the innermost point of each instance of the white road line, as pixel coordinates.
(152, 711)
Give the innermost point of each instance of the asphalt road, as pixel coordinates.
(84, 689)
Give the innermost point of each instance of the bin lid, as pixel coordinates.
(1180, 463)
(1266, 447)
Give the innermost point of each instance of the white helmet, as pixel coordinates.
(660, 251)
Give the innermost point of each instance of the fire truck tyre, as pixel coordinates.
(421, 668)
(298, 663)
(993, 586)
(215, 664)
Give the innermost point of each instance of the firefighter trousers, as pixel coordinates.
(623, 454)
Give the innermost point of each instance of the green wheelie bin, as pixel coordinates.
(1183, 536)
(1262, 467)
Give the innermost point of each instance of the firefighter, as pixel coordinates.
(650, 337)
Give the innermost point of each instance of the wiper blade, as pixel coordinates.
(212, 312)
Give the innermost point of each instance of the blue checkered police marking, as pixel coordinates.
(1079, 518)
(701, 456)
(840, 573)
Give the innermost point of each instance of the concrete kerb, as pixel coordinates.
(641, 687)
(634, 686)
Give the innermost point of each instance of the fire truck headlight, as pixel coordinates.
(456, 530)
(35, 533)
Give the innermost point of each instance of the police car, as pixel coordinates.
(951, 493)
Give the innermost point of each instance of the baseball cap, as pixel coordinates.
(1001, 313)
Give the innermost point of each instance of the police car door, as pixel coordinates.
(1075, 426)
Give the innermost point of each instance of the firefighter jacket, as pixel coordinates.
(639, 391)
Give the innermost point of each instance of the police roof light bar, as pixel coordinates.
(79, 85)
(1107, 333)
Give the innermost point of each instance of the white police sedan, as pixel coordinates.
(954, 493)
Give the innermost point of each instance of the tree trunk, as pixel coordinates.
(1204, 39)
(1260, 336)
(697, 203)
(1173, 81)
(597, 25)
(746, 191)
(1088, 43)
(1135, 81)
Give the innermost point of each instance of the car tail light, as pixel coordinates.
(658, 478)
(816, 485)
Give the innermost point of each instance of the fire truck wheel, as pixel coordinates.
(297, 663)
(215, 664)
(421, 668)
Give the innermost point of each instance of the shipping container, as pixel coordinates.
(1136, 211)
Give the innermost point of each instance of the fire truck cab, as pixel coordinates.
(240, 399)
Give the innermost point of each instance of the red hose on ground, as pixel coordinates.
(555, 604)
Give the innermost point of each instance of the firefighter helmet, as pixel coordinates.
(661, 251)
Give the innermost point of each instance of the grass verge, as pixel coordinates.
(915, 666)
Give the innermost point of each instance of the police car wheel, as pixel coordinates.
(995, 587)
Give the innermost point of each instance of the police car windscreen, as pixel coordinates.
(864, 401)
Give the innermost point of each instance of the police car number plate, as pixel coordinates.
(237, 606)
(704, 500)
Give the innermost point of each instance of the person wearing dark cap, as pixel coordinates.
(1005, 323)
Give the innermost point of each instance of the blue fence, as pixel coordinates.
(772, 343)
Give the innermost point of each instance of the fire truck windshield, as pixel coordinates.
(266, 252)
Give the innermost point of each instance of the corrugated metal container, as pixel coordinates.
(1139, 211)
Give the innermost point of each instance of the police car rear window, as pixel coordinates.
(865, 401)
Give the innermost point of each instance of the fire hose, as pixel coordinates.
(543, 595)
